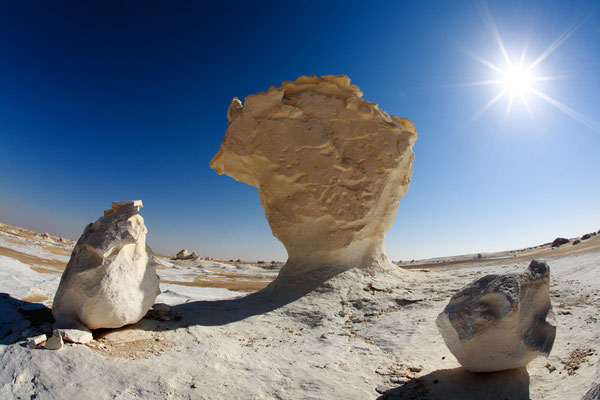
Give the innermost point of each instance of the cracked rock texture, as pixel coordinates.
(330, 168)
(110, 280)
(499, 322)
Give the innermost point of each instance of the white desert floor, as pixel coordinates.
(352, 338)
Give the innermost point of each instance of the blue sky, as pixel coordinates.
(104, 101)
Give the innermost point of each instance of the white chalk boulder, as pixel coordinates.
(110, 280)
(499, 322)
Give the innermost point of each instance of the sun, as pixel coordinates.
(517, 81)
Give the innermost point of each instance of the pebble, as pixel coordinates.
(76, 335)
(55, 342)
(36, 340)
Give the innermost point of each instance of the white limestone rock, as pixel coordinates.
(330, 169)
(110, 280)
(499, 322)
(55, 342)
(36, 341)
(81, 336)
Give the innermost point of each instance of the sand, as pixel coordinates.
(354, 337)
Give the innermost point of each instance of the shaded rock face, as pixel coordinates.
(499, 322)
(559, 242)
(110, 280)
(330, 169)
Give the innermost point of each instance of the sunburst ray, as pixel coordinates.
(556, 44)
(518, 78)
(488, 105)
(492, 25)
(567, 110)
(481, 60)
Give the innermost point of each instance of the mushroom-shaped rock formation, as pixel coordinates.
(330, 169)
(110, 280)
(499, 322)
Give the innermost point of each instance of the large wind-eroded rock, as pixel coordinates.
(330, 167)
(110, 280)
(499, 322)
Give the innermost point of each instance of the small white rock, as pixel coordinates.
(76, 335)
(55, 342)
(36, 340)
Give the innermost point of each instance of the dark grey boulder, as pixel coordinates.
(559, 242)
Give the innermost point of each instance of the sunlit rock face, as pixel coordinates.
(330, 167)
(110, 280)
(500, 322)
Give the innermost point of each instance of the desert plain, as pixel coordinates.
(351, 337)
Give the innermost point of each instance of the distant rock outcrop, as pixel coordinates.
(110, 280)
(330, 169)
(559, 242)
(186, 255)
(499, 322)
(183, 254)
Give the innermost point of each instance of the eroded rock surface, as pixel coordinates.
(499, 322)
(110, 280)
(330, 167)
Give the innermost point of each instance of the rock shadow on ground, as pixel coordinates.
(222, 312)
(458, 383)
(17, 316)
